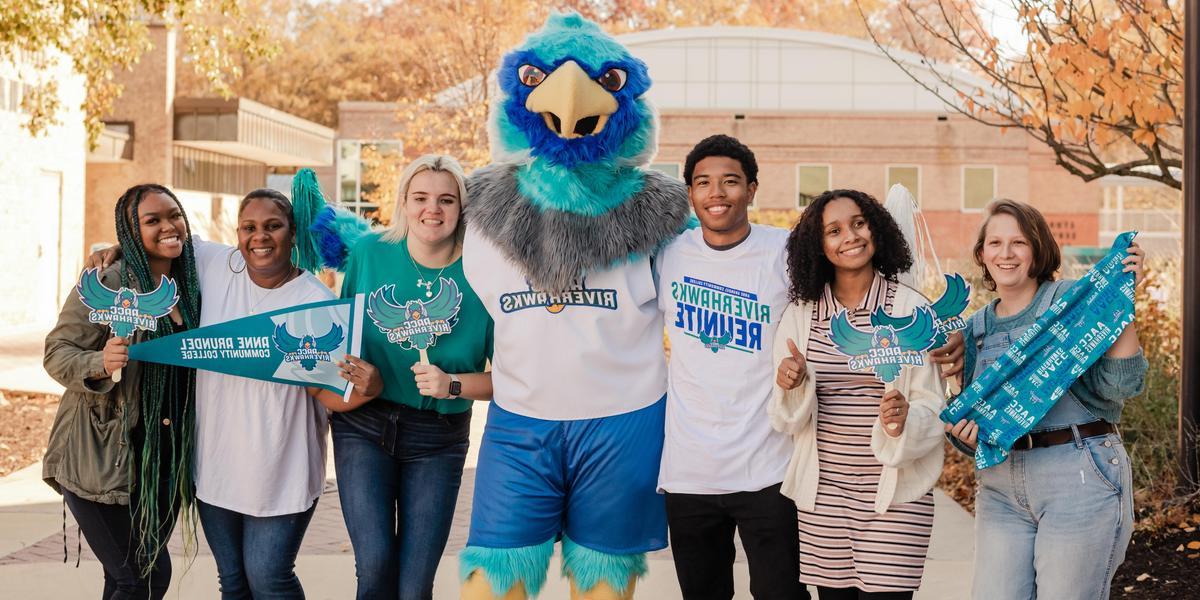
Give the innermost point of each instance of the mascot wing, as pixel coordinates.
(920, 334)
(881, 317)
(382, 309)
(955, 299)
(848, 338)
(160, 301)
(285, 341)
(94, 294)
(330, 341)
(445, 306)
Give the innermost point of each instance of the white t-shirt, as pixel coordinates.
(721, 309)
(260, 446)
(594, 351)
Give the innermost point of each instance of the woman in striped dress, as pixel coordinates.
(865, 458)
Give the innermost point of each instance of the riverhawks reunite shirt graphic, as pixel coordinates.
(721, 309)
(719, 316)
(124, 309)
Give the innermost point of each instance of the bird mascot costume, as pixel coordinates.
(561, 230)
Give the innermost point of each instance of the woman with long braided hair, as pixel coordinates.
(121, 453)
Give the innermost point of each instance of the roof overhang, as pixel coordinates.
(246, 129)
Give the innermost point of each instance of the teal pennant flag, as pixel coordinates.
(299, 346)
(1008, 398)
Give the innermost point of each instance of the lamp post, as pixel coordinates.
(1189, 389)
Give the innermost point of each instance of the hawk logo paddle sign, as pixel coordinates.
(414, 324)
(890, 344)
(124, 309)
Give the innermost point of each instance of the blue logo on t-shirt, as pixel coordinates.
(719, 316)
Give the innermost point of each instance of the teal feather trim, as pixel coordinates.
(307, 201)
(504, 567)
(589, 567)
(589, 189)
(335, 231)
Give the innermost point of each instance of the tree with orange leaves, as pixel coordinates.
(1100, 82)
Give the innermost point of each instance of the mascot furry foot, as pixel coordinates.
(561, 229)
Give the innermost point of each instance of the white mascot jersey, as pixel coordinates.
(593, 351)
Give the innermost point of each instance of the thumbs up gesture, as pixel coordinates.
(792, 369)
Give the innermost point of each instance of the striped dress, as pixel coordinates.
(844, 543)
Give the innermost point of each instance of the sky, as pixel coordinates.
(1000, 17)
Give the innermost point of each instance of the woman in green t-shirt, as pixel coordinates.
(400, 456)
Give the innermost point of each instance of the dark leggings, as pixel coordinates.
(824, 593)
(108, 530)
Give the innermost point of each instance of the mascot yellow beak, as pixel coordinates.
(572, 104)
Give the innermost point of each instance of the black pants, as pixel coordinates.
(824, 593)
(109, 533)
(702, 529)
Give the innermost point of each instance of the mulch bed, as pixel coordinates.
(25, 421)
(1163, 564)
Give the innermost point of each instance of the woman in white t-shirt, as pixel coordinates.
(260, 446)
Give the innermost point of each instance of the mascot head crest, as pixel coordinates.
(572, 95)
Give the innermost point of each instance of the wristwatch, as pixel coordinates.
(455, 386)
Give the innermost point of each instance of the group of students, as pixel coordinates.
(826, 477)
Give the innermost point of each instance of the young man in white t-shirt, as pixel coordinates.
(722, 289)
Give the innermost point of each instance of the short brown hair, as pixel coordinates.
(1046, 255)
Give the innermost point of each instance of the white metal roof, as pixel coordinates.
(758, 68)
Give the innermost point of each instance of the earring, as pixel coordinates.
(229, 262)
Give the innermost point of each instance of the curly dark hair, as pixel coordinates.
(721, 145)
(808, 268)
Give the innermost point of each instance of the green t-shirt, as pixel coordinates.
(386, 270)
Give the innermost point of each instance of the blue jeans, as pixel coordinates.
(1052, 522)
(256, 556)
(398, 471)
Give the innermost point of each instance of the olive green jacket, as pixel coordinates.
(88, 452)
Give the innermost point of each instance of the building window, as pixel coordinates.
(979, 187)
(909, 177)
(811, 181)
(367, 173)
(672, 169)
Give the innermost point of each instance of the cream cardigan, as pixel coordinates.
(911, 462)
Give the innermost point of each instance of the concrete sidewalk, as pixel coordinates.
(21, 361)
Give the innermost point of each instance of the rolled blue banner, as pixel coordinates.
(300, 345)
(1008, 398)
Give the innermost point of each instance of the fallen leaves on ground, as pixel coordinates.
(25, 421)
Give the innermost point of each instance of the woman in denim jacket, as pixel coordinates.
(1053, 520)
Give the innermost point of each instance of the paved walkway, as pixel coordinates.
(32, 545)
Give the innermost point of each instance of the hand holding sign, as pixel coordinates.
(116, 354)
(362, 375)
(125, 310)
(792, 369)
(948, 310)
(893, 412)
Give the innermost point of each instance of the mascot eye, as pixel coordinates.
(531, 75)
(613, 79)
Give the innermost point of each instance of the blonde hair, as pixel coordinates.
(438, 163)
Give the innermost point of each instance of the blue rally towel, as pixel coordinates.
(1012, 395)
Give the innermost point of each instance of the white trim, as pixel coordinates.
(887, 180)
(796, 181)
(962, 186)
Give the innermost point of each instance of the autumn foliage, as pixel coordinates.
(1100, 82)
